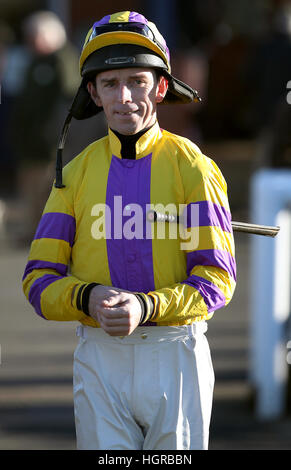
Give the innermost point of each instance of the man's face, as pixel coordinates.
(129, 98)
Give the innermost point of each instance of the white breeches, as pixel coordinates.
(147, 391)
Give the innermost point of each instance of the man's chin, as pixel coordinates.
(128, 128)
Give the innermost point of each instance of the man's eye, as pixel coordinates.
(138, 81)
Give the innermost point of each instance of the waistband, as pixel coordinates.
(143, 335)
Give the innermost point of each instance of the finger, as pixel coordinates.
(118, 330)
(113, 299)
(115, 320)
(118, 312)
(115, 326)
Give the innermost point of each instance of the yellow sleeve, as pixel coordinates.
(210, 257)
(47, 283)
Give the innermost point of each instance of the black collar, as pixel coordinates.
(128, 143)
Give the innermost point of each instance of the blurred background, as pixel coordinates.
(238, 56)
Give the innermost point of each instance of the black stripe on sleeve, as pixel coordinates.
(78, 301)
(85, 297)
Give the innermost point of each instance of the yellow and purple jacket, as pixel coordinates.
(74, 246)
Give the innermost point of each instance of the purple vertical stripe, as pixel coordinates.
(37, 288)
(39, 264)
(130, 260)
(57, 225)
(218, 258)
(212, 295)
(104, 20)
(209, 214)
(137, 18)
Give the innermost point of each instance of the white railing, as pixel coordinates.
(270, 292)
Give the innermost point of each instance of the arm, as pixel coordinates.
(211, 269)
(47, 284)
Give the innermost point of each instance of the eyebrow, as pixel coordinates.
(107, 80)
(135, 75)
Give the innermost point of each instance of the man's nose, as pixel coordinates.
(124, 94)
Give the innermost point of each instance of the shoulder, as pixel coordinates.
(187, 152)
(74, 174)
(181, 143)
(194, 165)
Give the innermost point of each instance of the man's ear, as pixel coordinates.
(162, 89)
(92, 90)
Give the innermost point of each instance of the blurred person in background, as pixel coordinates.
(280, 145)
(50, 82)
(7, 162)
(269, 71)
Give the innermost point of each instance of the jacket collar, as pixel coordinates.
(142, 147)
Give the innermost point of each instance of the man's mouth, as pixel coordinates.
(126, 113)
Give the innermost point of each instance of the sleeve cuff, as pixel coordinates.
(83, 297)
(147, 307)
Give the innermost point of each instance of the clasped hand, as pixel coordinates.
(117, 311)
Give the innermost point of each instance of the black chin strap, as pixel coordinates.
(59, 160)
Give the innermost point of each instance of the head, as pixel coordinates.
(44, 32)
(129, 97)
(121, 41)
(125, 69)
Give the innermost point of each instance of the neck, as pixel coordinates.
(128, 143)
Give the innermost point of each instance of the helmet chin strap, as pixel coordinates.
(59, 160)
(83, 101)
